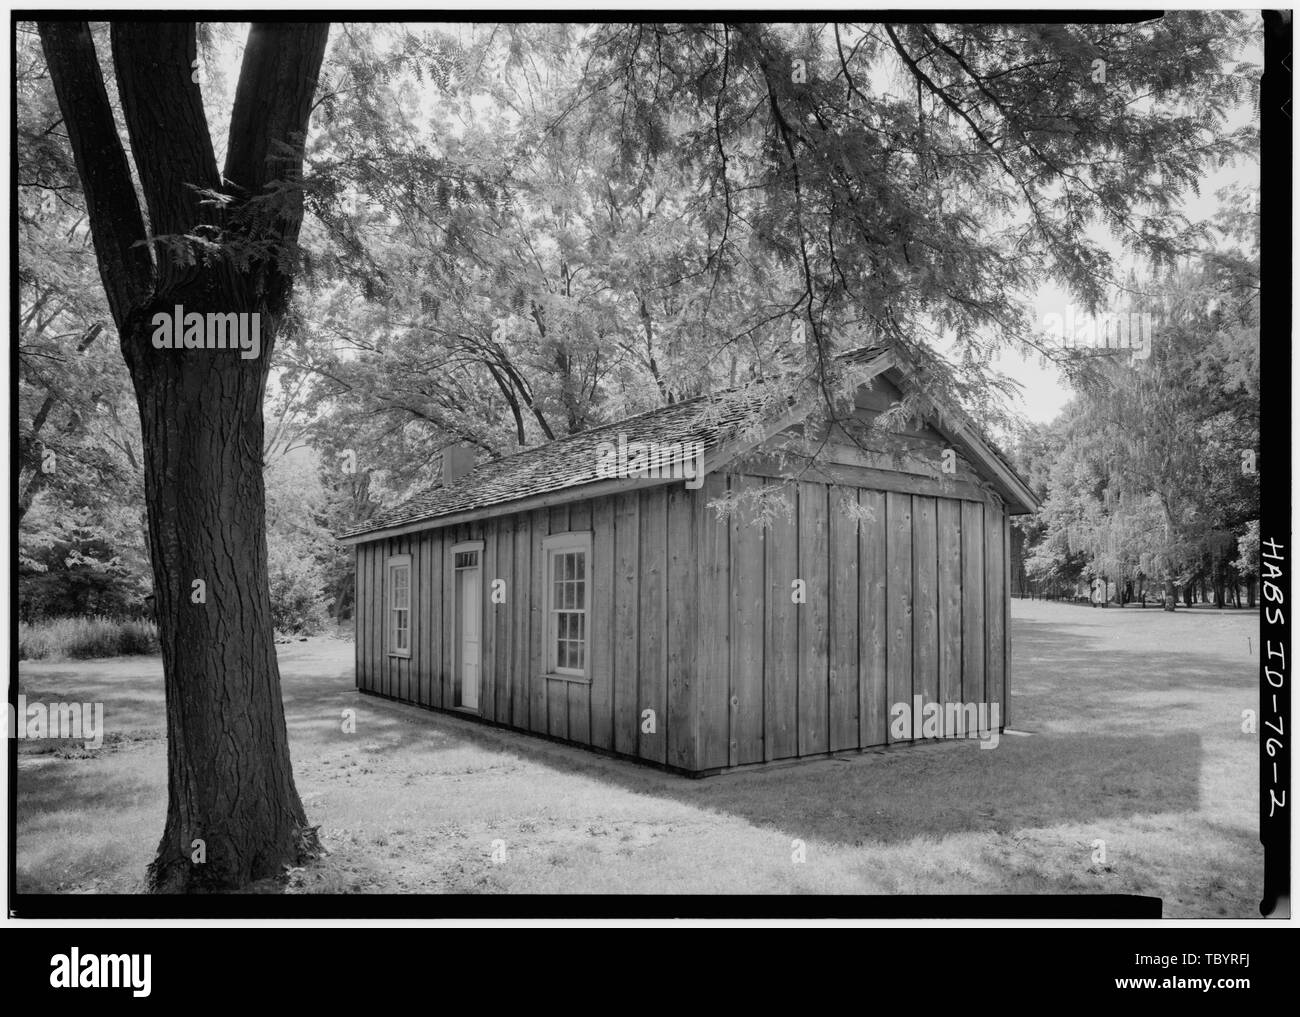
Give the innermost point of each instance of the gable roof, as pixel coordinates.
(553, 473)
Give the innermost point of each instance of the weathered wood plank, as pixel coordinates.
(406, 665)
(501, 627)
(898, 553)
(386, 620)
(873, 618)
(360, 602)
(867, 478)
(419, 629)
(995, 620)
(538, 651)
(950, 638)
(843, 700)
(437, 615)
(402, 675)
(365, 613)
(379, 616)
(603, 625)
(520, 621)
(451, 637)
(748, 610)
(580, 513)
(378, 633)
(627, 543)
(925, 601)
(972, 602)
(558, 516)
(580, 711)
(714, 636)
(1006, 623)
(391, 667)
(487, 624)
(683, 721)
(814, 621)
(433, 615)
(920, 456)
(557, 708)
(653, 691)
(781, 642)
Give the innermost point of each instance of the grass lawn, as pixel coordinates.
(1133, 721)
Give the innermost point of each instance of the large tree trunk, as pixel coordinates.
(230, 778)
(1171, 595)
(233, 813)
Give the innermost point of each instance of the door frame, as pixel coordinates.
(457, 670)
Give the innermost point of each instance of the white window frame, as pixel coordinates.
(396, 562)
(563, 543)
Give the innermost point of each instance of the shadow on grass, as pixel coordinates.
(893, 795)
(1135, 765)
(61, 788)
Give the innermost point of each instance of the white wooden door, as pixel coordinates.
(471, 625)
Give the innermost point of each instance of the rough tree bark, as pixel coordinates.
(230, 780)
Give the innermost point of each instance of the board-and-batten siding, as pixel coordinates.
(691, 617)
(896, 602)
(642, 624)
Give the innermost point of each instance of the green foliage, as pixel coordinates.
(1149, 472)
(515, 232)
(522, 230)
(83, 638)
(1247, 560)
(304, 561)
(80, 498)
(90, 563)
(297, 604)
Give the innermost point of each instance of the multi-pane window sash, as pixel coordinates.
(399, 605)
(568, 571)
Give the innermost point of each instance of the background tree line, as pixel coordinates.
(1151, 474)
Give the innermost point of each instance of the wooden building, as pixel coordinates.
(627, 614)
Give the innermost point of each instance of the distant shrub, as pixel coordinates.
(80, 577)
(138, 636)
(84, 638)
(297, 603)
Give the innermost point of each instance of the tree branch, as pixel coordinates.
(116, 224)
(269, 121)
(155, 70)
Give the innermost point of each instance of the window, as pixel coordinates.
(568, 572)
(399, 605)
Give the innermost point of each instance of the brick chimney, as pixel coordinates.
(457, 460)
